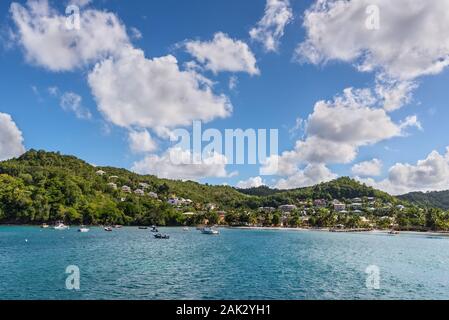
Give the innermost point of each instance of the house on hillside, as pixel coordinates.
(288, 207)
(112, 185)
(319, 203)
(174, 201)
(339, 207)
(100, 172)
(126, 189)
(153, 195)
(139, 192)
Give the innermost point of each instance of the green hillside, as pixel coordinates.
(437, 199)
(44, 186)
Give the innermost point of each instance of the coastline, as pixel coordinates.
(374, 231)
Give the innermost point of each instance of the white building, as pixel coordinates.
(139, 192)
(339, 207)
(100, 172)
(112, 185)
(126, 189)
(153, 195)
(288, 208)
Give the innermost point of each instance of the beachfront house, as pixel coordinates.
(288, 208)
(126, 189)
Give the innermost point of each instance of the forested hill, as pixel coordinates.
(43, 186)
(342, 188)
(435, 199)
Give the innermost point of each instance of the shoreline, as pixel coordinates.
(330, 230)
(374, 231)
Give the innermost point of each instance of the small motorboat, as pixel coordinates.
(60, 226)
(210, 231)
(185, 229)
(161, 236)
(83, 229)
(143, 228)
(154, 229)
(394, 232)
(45, 226)
(108, 229)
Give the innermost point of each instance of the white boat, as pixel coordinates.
(83, 229)
(185, 229)
(210, 231)
(44, 226)
(60, 226)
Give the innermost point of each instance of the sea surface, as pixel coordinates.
(129, 263)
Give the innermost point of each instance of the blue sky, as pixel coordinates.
(33, 90)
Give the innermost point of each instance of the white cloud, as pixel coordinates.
(270, 28)
(47, 42)
(135, 33)
(430, 174)
(224, 54)
(337, 129)
(370, 168)
(404, 47)
(175, 164)
(11, 139)
(72, 102)
(150, 93)
(311, 175)
(141, 141)
(253, 182)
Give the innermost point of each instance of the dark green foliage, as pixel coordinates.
(438, 199)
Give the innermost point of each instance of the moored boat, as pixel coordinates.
(210, 231)
(83, 229)
(45, 226)
(60, 226)
(108, 229)
(161, 236)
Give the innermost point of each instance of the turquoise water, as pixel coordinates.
(239, 264)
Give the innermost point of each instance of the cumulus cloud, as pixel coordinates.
(150, 93)
(337, 129)
(11, 139)
(270, 28)
(141, 141)
(176, 163)
(48, 42)
(253, 182)
(72, 102)
(311, 175)
(430, 174)
(224, 54)
(403, 47)
(370, 168)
